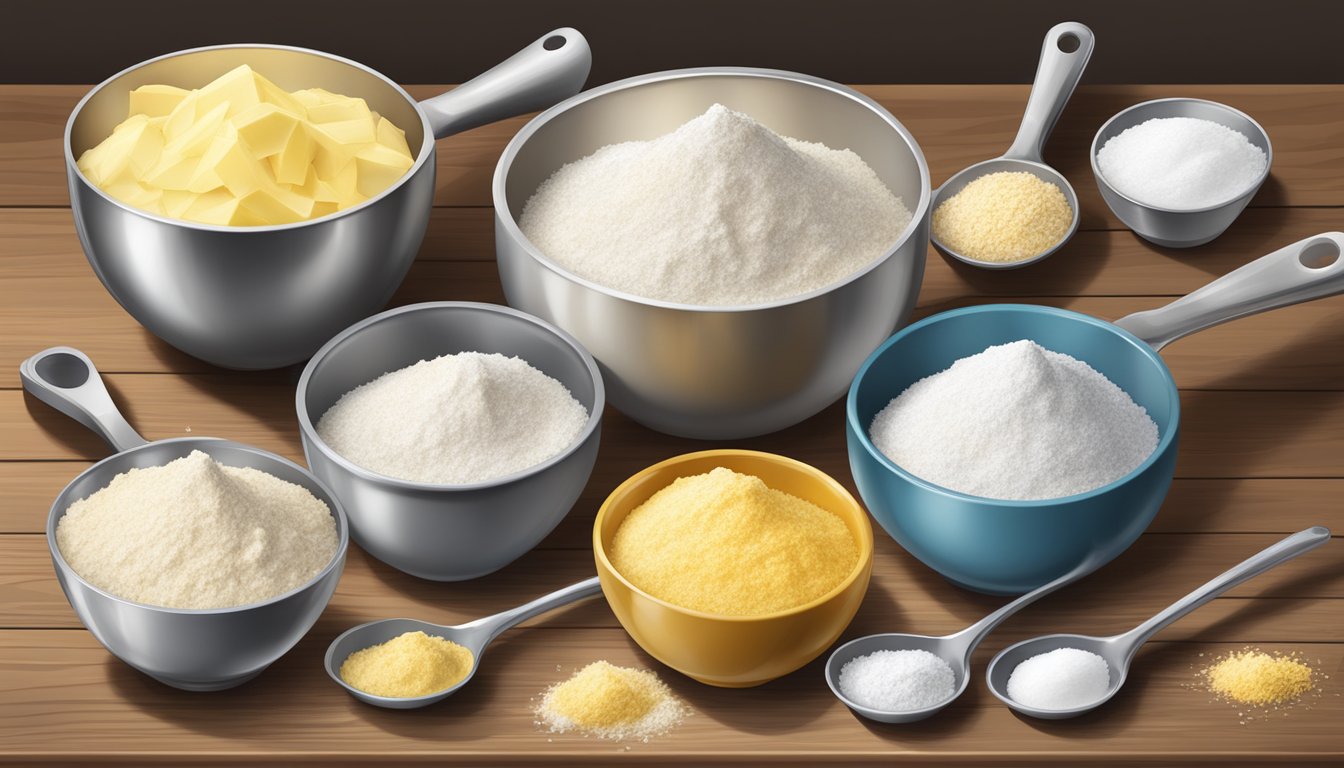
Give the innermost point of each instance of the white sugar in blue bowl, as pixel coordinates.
(1179, 212)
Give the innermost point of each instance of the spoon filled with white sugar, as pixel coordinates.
(902, 678)
(1061, 676)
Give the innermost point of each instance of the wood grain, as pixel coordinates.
(955, 125)
(1260, 455)
(60, 695)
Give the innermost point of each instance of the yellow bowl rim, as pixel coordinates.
(864, 540)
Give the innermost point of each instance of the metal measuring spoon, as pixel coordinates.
(1119, 650)
(955, 649)
(1057, 75)
(475, 636)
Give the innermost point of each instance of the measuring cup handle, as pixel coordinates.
(65, 379)
(1270, 557)
(1308, 269)
(1057, 75)
(546, 72)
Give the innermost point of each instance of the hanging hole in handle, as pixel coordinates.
(1069, 42)
(1320, 254)
(554, 42)
(63, 370)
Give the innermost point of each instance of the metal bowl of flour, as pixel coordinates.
(717, 372)
(439, 531)
(195, 650)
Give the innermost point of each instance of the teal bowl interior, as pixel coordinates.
(999, 546)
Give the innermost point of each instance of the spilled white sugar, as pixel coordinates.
(897, 681)
(1064, 678)
(456, 419)
(1182, 163)
(722, 211)
(1016, 421)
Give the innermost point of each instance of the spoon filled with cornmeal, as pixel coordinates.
(407, 664)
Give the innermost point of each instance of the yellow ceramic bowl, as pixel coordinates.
(734, 651)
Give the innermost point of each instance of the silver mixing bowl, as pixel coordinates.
(717, 372)
(196, 650)
(450, 532)
(1170, 227)
(267, 297)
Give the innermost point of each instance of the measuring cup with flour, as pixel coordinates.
(193, 649)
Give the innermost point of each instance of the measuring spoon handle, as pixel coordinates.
(1057, 75)
(494, 626)
(65, 379)
(1270, 557)
(970, 637)
(1311, 268)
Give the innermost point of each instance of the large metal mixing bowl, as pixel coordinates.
(267, 297)
(704, 371)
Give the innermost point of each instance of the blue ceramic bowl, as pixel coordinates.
(992, 545)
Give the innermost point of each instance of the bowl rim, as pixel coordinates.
(308, 429)
(1248, 192)
(336, 563)
(427, 143)
(506, 219)
(1164, 442)
(863, 541)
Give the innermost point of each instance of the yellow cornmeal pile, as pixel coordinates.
(1006, 216)
(726, 543)
(1254, 677)
(611, 702)
(410, 664)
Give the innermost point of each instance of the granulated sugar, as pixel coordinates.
(722, 211)
(456, 419)
(195, 533)
(1064, 678)
(1016, 421)
(897, 681)
(1181, 162)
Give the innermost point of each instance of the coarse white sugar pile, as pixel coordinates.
(722, 211)
(897, 681)
(1182, 163)
(457, 419)
(196, 534)
(1016, 421)
(1064, 678)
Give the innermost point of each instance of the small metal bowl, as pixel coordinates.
(449, 532)
(1171, 227)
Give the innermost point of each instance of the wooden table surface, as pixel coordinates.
(1262, 455)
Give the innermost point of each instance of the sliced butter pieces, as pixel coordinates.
(242, 151)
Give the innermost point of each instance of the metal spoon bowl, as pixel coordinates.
(955, 649)
(1119, 650)
(1057, 75)
(475, 636)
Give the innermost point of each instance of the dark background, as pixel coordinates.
(857, 41)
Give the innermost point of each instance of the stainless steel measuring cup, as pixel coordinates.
(196, 650)
(1057, 75)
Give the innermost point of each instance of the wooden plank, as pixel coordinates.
(1193, 505)
(63, 697)
(1228, 434)
(51, 297)
(956, 125)
(905, 595)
